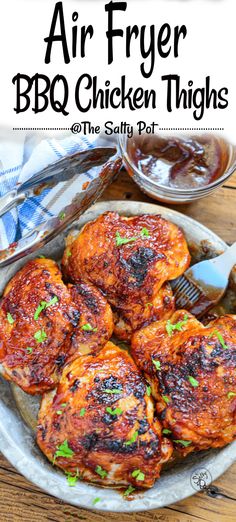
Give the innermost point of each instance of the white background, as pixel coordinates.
(208, 49)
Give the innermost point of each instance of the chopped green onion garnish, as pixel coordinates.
(59, 412)
(43, 305)
(116, 411)
(88, 328)
(10, 318)
(157, 364)
(219, 336)
(139, 475)
(82, 412)
(144, 232)
(63, 451)
(148, 390)
(101, 472)
(96, 500)
(115, 392)
(62, 215)
(38, 311)
(231, 394)
(193, 381)
(68, 253)
(166, 399)
(129, 490)
(132, 439)
(123, 240)
(40, 336)
(29, 349)
(177, 326)
(165, 431)
(72, 479)
(184, 443)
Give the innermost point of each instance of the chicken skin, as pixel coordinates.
(95, 324)
(99, 422)
(192, 371)
(129, 259)
(160, 307)
(36, 314)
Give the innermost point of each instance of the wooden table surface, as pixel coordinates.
(21, 501)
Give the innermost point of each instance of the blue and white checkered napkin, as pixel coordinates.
(19, 161)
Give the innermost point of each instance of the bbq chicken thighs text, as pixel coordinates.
(99, 422)
(129, 259)
(192, 370)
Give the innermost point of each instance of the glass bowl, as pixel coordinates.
(169, 194)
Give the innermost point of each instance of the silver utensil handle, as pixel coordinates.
(46, 231)
(226, 261)
(59, 171)
(10, 200)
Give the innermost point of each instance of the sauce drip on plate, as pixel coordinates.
(186, 162)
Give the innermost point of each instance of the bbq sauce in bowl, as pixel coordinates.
(186, 162)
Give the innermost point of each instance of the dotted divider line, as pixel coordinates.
(160, 128)
(192, 128)
(40, 128)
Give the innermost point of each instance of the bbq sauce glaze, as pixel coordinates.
(186, 162)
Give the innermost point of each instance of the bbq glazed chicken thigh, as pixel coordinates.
(161, 306)
(99, 422)
(43, 324)
(192, 371)
(129, 259)
(36, 314)
(95, 324)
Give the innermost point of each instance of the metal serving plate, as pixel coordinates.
(17, 441)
